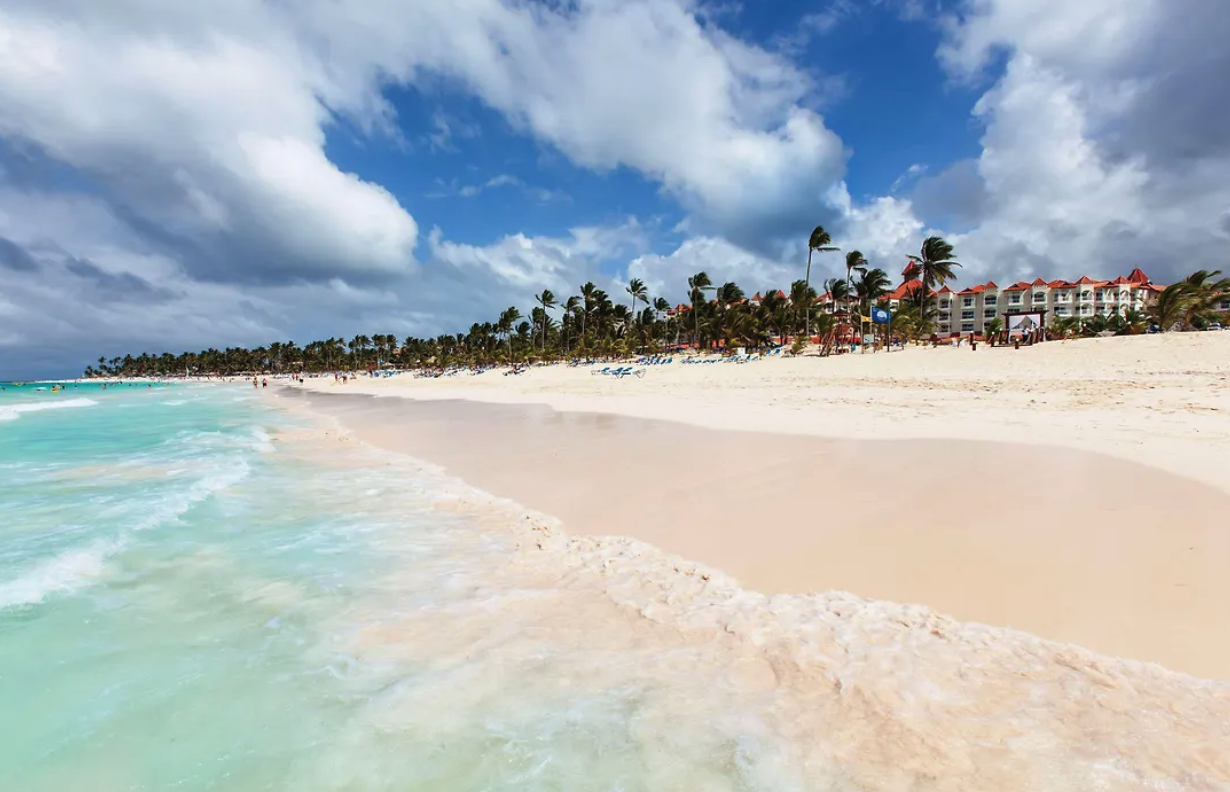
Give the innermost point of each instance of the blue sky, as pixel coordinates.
(878, 85)
(178, 176)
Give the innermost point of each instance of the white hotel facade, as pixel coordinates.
(971, 309)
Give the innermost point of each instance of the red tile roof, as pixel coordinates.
(906, 289)
(1139, 277)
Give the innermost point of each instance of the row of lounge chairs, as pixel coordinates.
(619, 372)
(655, 360)
(731, 359)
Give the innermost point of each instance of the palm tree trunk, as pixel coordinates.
(806, 293)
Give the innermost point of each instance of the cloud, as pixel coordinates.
(203, 124)
(183, 146)
(722, 124)
(15, 257)
(1105, 144)
(453, 189)
(174, 155)
(667, 275)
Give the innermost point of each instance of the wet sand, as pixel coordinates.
(1065, 544)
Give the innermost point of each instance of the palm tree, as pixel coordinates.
(935, 262)
(661, 309)
(505, 325)
(1204, 294)
(838, 290)
(698, 284)
(638, 292)
(547, 301)
(571, 308)
(871, 286)
(1171, 306)
(803, 301)
(818, 242)
(854, 262)
(589, 294)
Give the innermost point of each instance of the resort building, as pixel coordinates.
(969, 310)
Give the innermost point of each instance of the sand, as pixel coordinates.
(863, 693)
(1074, 490)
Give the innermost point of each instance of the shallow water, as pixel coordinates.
(199, 592)
(185, 604)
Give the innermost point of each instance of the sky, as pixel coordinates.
(185, 175)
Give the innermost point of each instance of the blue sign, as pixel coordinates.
(881, 316)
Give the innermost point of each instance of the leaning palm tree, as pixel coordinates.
(547, 301)
(636, 289)
(935, 262)
(1171, 306)
(1204, 293)
(818, 242)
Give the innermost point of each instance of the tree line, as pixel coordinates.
(595, 324)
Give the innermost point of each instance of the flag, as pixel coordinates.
(881, 316)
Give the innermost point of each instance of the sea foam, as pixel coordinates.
(12, 412)
(67, 571)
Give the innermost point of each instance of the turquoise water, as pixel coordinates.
(197, 593)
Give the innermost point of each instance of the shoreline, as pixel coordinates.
(1162, 400)
(1136, 588)
(873, 691)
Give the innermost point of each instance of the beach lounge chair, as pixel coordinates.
(606, 370)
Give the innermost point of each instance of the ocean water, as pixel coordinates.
(196, 593)
(202, 591)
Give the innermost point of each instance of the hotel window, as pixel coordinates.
(1065, 296)
(967, 302)
(1014, 299)
(943, 303)
(1061, 311)
(990, 299)
(989, 313)
(944, 317)
(968, 327)
(1086, 295)
(1039, 296)
(967, 314)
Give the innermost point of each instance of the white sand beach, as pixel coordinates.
(1069, 492)
(1077, 491)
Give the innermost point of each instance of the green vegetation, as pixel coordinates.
(590, 324)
